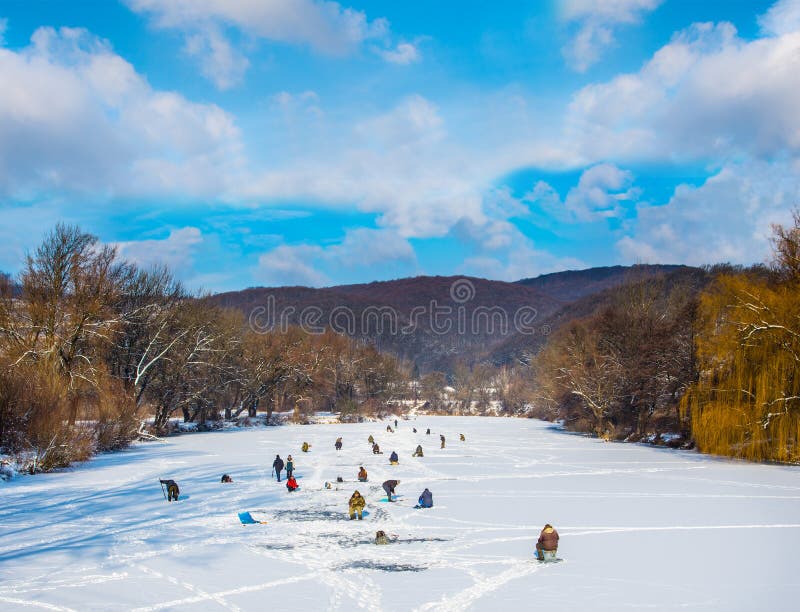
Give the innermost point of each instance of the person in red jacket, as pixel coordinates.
(547, 545)
(291, 484)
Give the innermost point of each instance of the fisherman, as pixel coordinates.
(463, 439)
(415, 430)
(426, 499)
(289, 466)
(441, 437)
(427, 433)
(389, 487)
(547, 545)
(226, 478)
(418, 452)
(291, 485)
(362, 474)
(172, 489)
(338, 444)
(380, 537)
(277, 465)
(393, 458)
(371, 440)
(395, 423)
(305, 447)
(389, 429)
(376, 450)
(357, 503)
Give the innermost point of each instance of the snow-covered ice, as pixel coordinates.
(640, 527)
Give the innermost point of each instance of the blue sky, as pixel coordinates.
(274, 142)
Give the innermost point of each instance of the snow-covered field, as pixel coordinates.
(640, 527)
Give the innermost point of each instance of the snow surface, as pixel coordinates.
(640, 527)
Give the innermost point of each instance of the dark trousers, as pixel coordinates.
(388, 493)
(288, 474)
(278, 474)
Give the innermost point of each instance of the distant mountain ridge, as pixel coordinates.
(436, 321)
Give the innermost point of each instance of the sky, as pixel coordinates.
(309, 142)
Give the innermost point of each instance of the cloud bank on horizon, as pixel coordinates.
(248, 142)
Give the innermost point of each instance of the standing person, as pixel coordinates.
(426, 499)
(427, 433)
(289, 466)
(393, 458)
(277, 465)
(172, 489)
(441, 437)
(362, 475)
(356, 505)
(291, 485)
(389, 486)
(547, 545)
(338, 444)
(395, 423)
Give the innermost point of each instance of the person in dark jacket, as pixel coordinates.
(172, 489)
(376, 450)
(547, 545)
(415, 430)
(395, 423)
(289, 466)
(389, 486)
(389, 429)
(362, 474)
(427, 433)
(277, 465)
(418, 452)
(393, 458)
(426, 499)
(226, 478)
(338, 444)
(291, 485)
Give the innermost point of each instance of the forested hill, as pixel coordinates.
(440, 320)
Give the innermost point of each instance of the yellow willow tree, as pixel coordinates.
(746, 402)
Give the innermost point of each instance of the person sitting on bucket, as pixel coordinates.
(172, 489)
(376, 450)
(547, 545)
(380, 537)
(305, 447)
(291, 484)
(389, 487)
(389, 429)
(356, 506)
(371, 440)
(426, 499)
(226, 478)
(461, 436)
(393, 458)
(415, 430)
(418, 452)
(362, 474)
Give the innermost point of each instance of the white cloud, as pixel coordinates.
(783, 17)
(325, 26)
(221, 63)
(707, 94)
(727, 218)
(380, 251)
(76, 117)
(176, 251)
(600, 193)
(403, 54)
(596, 22)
